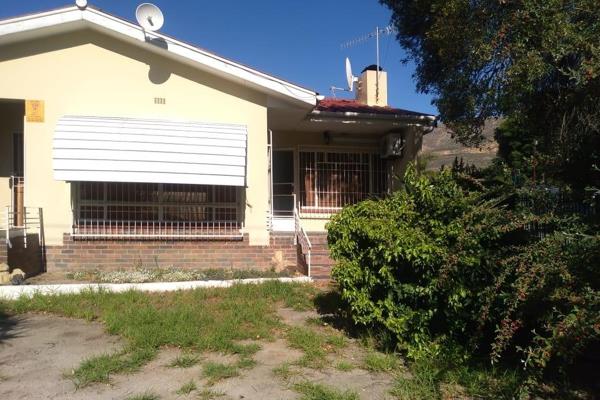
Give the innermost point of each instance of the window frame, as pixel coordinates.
(104, 203)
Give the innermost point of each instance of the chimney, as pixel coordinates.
(369, 92)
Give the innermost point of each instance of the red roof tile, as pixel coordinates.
(343, 105)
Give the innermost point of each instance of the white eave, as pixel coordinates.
(72, 18)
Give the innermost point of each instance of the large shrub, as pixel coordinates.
(437, 265)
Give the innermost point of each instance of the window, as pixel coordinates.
(331, 180)
(151, 209)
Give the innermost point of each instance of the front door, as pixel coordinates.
(17, 181)
(283, 190)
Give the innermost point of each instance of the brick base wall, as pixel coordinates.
(3, 252)
(112, 255)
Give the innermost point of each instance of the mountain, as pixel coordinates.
(440, 149)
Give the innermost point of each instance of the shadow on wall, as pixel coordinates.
(158, 74)
(27, 254)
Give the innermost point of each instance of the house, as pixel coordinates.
(123, 147)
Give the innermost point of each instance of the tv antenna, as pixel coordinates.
(377, 34)
(149, 17)
(350, 79)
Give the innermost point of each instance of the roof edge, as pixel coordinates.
(204, 59)
(423, 119)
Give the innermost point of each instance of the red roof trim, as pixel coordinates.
(343, 105)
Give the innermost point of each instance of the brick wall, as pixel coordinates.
(111, 255)
(3, 252)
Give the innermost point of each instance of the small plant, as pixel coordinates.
(77, 275)
(187, 388)
(214, 372)
(245, 350)
(284, 371)
(184, 361)
(144, 396)
(315, 346)
(141, 274)
(315, 321)
(312, 391)
(100, 368)
(344, 366)
(380, 362)
(208, 394)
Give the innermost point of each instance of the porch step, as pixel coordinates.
(320, 273)
(321, 262)
(318, 239)
(321, 258)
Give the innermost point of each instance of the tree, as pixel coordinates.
(536, 62)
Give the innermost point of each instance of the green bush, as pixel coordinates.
(439, 266)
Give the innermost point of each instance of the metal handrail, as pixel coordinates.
(7, 225)
(32, 219)
(302, 238)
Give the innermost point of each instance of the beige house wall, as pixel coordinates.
(87, 73)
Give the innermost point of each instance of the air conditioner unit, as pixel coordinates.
(392, 145)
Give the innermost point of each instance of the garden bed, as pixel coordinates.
(149, 275)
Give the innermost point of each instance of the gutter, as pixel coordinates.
(424, 120)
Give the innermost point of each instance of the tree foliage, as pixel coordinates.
(534, 61)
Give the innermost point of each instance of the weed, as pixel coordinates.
(245, 350)
(315, 345)
(438, 378)
(312, 391)
(184, 361)
(315, 321)
(380, 362)
(246, 363)
(284, 371)
(215, 372)
(187, 388)
(99, 368)
(208, 394)
(344, 366)
(144, 396)
(141, 274)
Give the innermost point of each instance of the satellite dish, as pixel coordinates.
(349, 76)
(149, 17)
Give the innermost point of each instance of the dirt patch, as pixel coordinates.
(295, 318)
(36, 351)
(260, 382)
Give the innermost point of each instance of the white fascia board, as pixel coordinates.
(197, 57)
(39, 21)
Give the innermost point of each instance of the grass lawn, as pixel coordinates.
(197, 320)
(237, 322)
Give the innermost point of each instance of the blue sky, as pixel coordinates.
(295, 40)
